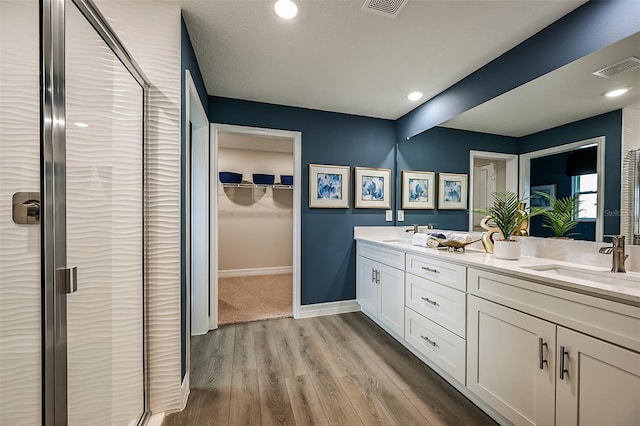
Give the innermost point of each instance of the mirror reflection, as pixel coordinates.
(566, 107)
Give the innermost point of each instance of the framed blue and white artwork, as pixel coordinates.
(452, 191)
(418, 189)
(373, 188)
(329, 186)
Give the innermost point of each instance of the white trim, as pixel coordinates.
(197, 205)
(328, 308)
(250, 272)
(511, 177)
(184, 392)
(525, 173)
(156, 419)
(297, 207)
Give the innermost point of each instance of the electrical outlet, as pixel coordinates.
(400, 215)
(389, 215)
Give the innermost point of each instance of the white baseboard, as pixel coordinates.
(156, 420)
(255, 271)
(184, 391)
(328, 308)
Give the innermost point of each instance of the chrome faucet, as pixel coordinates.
(616, 250)
(415, 229)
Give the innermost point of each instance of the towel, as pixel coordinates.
(424, 240)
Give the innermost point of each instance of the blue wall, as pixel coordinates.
(328, 249)
(590, 27)
(608, 125)
(189, 62)
(446, 150)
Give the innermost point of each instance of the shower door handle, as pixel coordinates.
(68, 278)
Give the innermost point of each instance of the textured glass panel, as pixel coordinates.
(20, 313)
(104, 231)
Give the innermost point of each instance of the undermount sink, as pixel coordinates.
(630, 279)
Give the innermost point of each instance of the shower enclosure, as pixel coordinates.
(72, 216)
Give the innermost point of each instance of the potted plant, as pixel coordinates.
(561, 216)
(507, 216)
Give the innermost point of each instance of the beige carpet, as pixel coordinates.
(243, 299)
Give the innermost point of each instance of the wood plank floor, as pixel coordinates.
(332, 370)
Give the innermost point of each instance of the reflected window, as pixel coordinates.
(586, 188)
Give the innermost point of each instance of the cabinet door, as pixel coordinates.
(601, 385)
(504, 355)
(391, 303)
(367, 287)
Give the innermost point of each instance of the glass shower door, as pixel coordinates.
(104, 223)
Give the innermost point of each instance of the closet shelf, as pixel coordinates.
(253, 185)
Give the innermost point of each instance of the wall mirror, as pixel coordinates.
(566, 107)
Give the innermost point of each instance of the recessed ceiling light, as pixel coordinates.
(81, 125)
(286, 9)
(616, 92)
(415, 96)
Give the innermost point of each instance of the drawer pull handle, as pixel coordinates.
(429, 341)
(541, 346)
(435, 271)
(563, 370)
(433, 302)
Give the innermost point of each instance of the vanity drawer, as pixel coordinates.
(393, 258)
(442, 305)
(438, 344)
(445, 273)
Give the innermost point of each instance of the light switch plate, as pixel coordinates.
(389, 215)
(400, 215)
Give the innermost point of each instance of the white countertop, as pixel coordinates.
(625, 290)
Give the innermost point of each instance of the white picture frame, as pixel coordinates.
(329, 186)
(372, 188)
(418, 190)
(452, 191)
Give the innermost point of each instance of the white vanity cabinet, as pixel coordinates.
(380, 285)
(525, 362)
(510, 362)
(527, 350)
(601, 384)
(435, 312)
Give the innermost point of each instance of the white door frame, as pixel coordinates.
(297, 209)
(196, 204)
(525, 173)
(511, 173)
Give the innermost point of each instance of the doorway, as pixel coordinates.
(237, 214)
(490, 172)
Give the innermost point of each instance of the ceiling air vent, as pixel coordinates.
(388, 8)
(619, 67)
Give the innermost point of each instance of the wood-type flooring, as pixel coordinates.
(331, 370)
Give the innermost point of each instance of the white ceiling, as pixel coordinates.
(567, 94)
(335, 57)
(255, 143)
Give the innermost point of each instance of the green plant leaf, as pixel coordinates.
(505, 213)
(562, 216)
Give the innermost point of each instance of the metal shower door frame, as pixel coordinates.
(53, 200)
